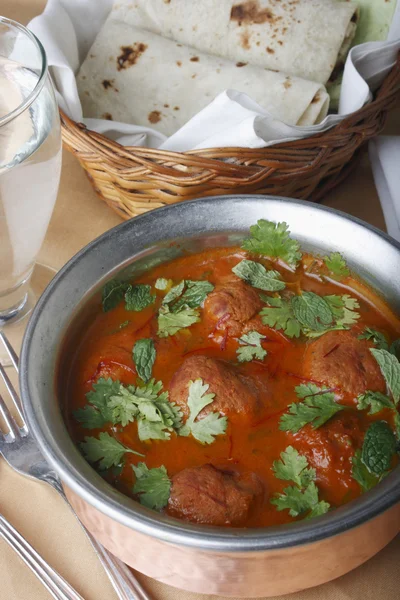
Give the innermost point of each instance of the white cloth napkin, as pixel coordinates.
(67, 29)
(384, 153)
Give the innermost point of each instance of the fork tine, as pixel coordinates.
(10, 351)
(9, 421)
(14, 397)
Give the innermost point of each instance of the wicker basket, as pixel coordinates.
(133, 180)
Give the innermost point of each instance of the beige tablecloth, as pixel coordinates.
(37, 511)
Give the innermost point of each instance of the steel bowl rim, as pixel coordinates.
(131, 514)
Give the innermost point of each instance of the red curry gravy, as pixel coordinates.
(106, 351)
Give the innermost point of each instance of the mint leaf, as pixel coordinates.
(312, 311)
(153, 486)
(272, 240)
(378, 448)
(293, 467)
(161, 284)
(144, 355)
(342, 308)
(361, 474)
(211, 425)
(390, 369)
(112, 294)
(257, 275)
(90, 418)
(376, 337)
(280, 315)
(251, 347)
(105, 450)
(138, 297)
(170, 323)
(174, 293)
(318, 407)
(337, 265)
(375, 401)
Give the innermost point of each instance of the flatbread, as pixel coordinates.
(305, 38)
(134, 76)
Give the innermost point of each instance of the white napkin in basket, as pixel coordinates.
(384, 153)
(67, 29)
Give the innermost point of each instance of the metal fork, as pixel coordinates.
(19, 449)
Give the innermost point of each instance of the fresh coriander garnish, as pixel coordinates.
(98, 412)
(257, 275)
(317, 408)
(279, 314)
(273, 240)
(373, 461)
(390, 369)
(376, 337)
(144, 355)
(337, 264)
(153, 486)
(310, 314)
(138, 297)
(250, 347)
(375, 401)
(112, 294)
(110, 401)
(105, 450)
(205, 429)
(170, 323)
(301, 498)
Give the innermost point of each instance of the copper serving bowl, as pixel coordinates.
(225, 561)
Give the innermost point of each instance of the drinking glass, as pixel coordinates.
(30, 164)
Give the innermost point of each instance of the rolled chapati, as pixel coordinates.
(305, 38)
(134, 76)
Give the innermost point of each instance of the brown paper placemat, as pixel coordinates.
(41, 515)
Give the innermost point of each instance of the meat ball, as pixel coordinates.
(231, 304)
(235, 394)
(340, 360)
(213, 496)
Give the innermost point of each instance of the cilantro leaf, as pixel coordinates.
(318, 407)
(100, 396)
(257, 275)
(138, 297)
(303, 496)
(89, 417)
(153, 486)
(378, 448)
(299, 502)
(279, 314)
(105, 450)
(312, 311)
(376, 337)
(208, 427)
(361, 474)
(144, 355)
(112, 294)
(161, 283)
(375, 401)
(272, 239)
(390, 369)
(336, 264)
(205, 429)
(251, 347)
(170, 323)
(293, 467)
